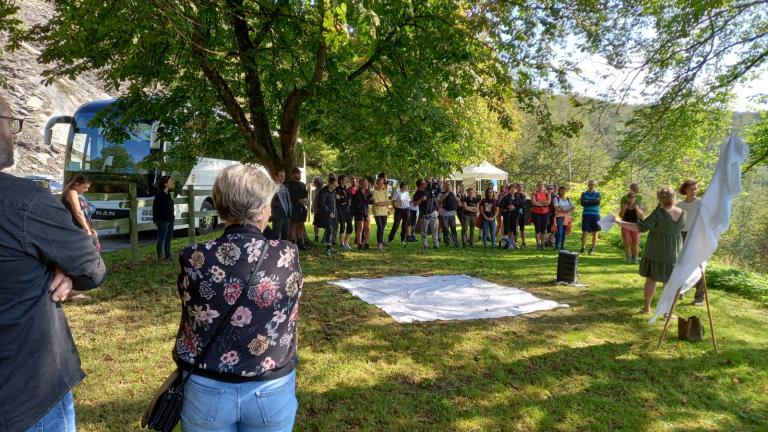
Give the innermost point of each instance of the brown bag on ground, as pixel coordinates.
(690, 329)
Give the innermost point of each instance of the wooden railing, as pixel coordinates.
(189, 217)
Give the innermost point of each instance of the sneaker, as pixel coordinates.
(328, 251)
(523, 244)
(381, 246)
(366, 246)
(628, 260)
(582, 250)
(591, 251)
(698, 303)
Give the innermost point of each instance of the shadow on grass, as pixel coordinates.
(597, 388)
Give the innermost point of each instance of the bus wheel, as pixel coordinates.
(206, 224)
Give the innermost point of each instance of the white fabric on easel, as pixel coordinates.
(449, 297)
(713, 219)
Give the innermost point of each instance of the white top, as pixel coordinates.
(691, 211)
(402, 200)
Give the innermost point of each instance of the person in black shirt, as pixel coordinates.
(470, 210)
(360, 209)
(489, 210)
(163, 215)
(343, 199)
(426, 201)
(44, 256)
(523, 205)
(298, 193)
(508, 219)
(327, 214)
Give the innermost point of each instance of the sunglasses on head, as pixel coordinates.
(16, 124)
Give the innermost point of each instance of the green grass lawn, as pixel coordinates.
(590, 367)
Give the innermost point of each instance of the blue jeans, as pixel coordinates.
(560, 233)
(164, 236)
(217, 406)
(61, 418)
(486, 226)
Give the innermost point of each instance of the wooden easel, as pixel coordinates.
(709, 313)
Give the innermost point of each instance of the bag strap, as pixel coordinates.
(225, 320)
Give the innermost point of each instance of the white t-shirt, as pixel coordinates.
(691, 211)
(402, 200)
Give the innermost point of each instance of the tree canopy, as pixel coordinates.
(398, 77)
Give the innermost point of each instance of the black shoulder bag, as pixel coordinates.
(164, 410)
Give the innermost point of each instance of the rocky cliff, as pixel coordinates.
(32, 99)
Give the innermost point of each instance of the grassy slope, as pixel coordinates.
(589, 367)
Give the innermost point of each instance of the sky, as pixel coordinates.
(597, 78)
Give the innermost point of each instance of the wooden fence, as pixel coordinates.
(132, 201)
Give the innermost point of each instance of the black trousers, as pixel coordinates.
(401, 218)
(281, 227)
(381, 224)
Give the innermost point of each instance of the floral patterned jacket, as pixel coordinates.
(259, 342)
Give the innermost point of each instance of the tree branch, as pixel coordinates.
(255, 95)
(267, 26)
(375, 56)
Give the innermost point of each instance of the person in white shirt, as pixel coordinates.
(691, 204)
(401, 202)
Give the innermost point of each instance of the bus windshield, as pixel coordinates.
(91, 151)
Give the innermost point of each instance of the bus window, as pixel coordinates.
(99, 154)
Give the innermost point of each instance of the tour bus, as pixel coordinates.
(113, 165)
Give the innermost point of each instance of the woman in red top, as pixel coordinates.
(540, 201)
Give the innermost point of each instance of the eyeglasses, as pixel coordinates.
(16, 124)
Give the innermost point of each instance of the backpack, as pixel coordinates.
(690, 329)
(431, 206)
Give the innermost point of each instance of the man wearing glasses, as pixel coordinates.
(43, 256)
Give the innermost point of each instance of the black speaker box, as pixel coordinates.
(567, 266)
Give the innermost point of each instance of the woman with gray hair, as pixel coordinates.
(239, 307)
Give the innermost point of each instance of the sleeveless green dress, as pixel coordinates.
(663, 244)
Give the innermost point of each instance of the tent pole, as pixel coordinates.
(669, 317)
(709, 311)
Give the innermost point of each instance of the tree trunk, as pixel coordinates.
(289, 128)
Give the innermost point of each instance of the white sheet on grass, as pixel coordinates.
(451, 297)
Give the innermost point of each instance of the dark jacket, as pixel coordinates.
(326, 204)
(298, 191)
(259, 342)
(360, 204)
(343, 199)
(163, 209)
(281, 209)
(39, 363)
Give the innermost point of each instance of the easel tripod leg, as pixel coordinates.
(709, 312)
(669, 317)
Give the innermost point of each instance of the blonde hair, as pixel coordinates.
(240, 192)
(666, 196)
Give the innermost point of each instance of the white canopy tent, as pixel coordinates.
(473, 174)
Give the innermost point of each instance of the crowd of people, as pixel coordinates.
(239, 293)
(343, 205)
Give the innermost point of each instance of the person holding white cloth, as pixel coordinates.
(691, 204)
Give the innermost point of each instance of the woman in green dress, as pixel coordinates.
(664, 242)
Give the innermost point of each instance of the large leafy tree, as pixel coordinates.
(688, 58)
(388, 75)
